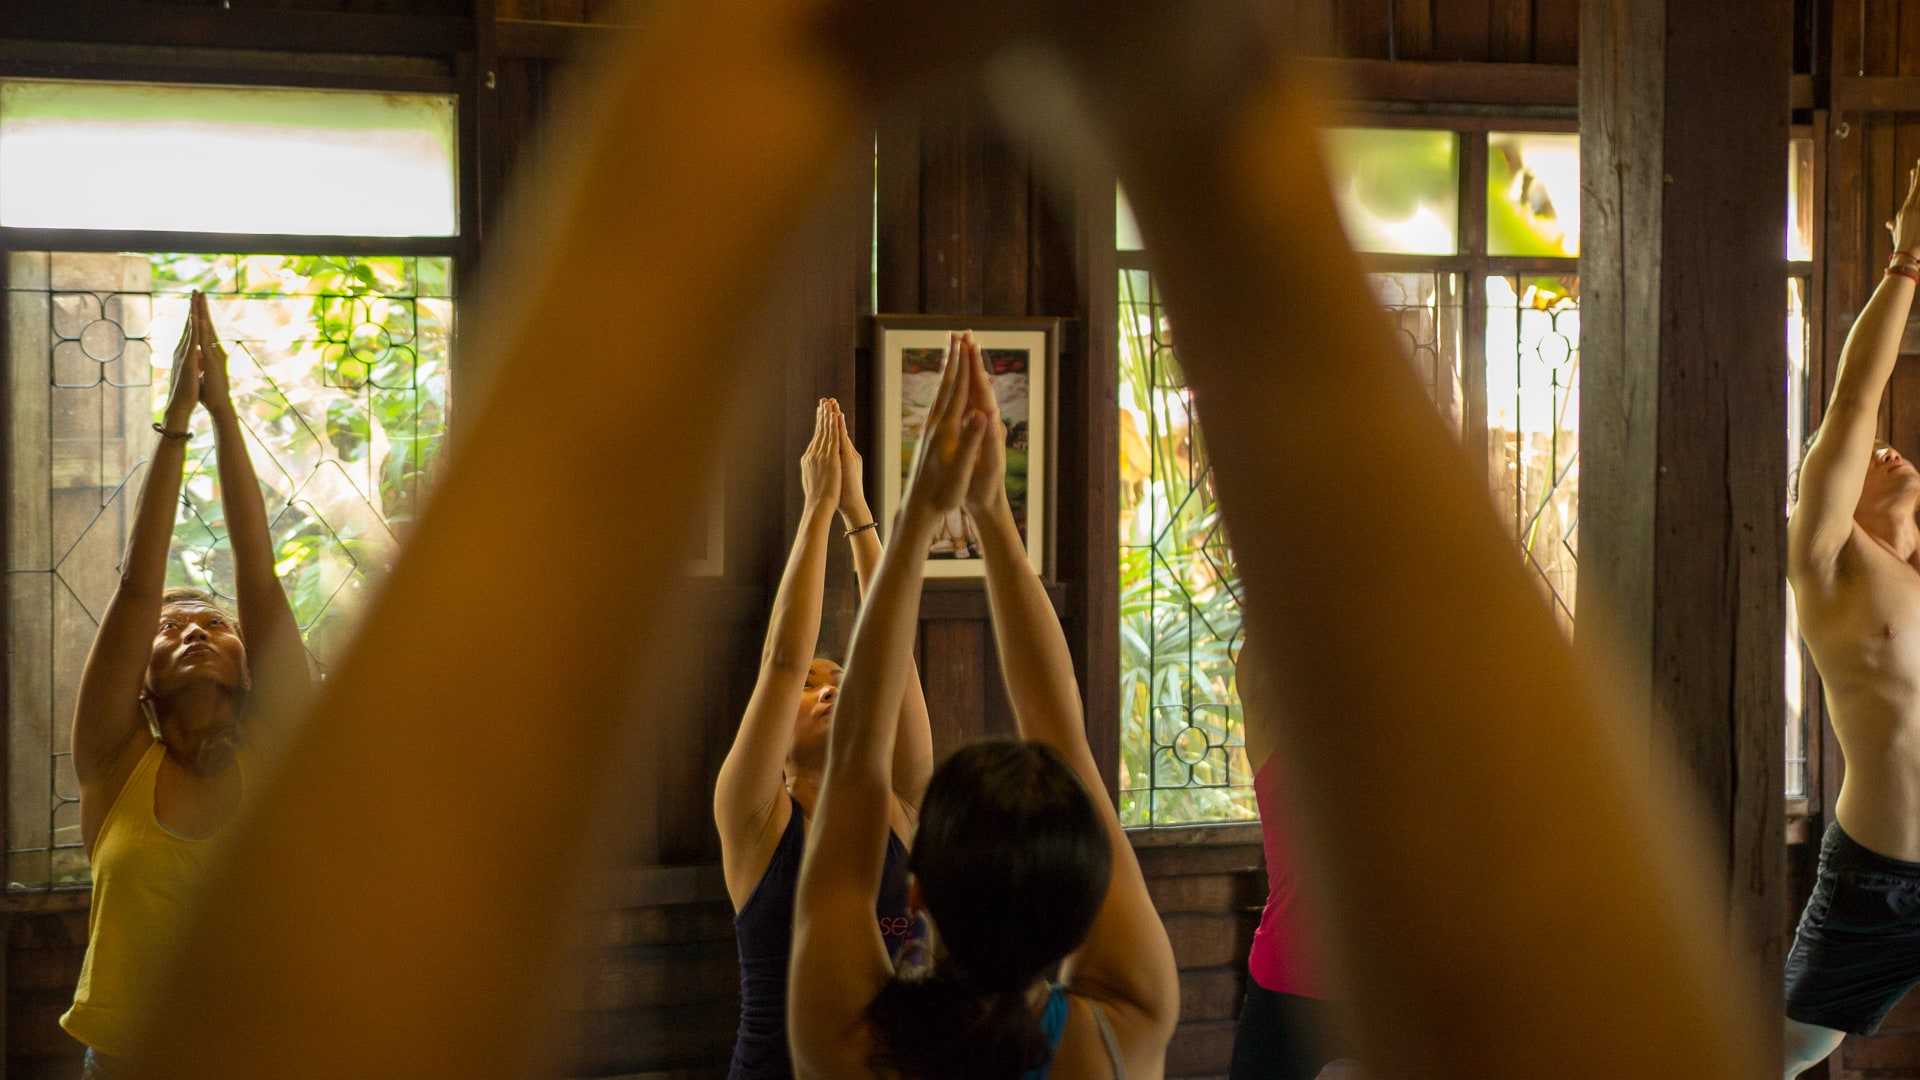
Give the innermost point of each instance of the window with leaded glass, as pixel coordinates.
(1471, 242)
(341, 369)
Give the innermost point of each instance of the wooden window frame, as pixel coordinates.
(463, 72)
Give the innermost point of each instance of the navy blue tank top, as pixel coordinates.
(764, 930)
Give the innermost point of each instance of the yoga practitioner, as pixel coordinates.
(1019, 863)
(1288, 1031)
(162, 726)
(770, 782)
(1852, 555)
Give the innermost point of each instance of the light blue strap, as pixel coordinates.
(1106, 1036)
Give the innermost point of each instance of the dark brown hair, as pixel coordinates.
(1013, 862)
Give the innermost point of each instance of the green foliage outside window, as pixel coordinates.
(339, 370)
(1182, 757)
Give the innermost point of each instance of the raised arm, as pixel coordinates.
(1835, 468)
(276, 659)
(839, 959)
(107, 709)
(1127, 960)
(749, 783)
(913, 740)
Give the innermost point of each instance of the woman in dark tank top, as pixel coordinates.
(1019, 864)
(771, 778)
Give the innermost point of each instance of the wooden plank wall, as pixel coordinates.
(967, 225)
(1492, 31)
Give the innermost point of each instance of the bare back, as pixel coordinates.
(1861, 622)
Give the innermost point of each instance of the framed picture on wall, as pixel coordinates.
(1021, 355)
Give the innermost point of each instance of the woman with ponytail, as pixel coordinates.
(1019, 865)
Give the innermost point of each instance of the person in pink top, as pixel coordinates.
(1287, 1030)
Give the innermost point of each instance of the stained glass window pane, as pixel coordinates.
(1424, 310)
(340, 375)
(1398, 190)
(1533, 424)
(1183, 757)
(217, 159)
(1800, 200)
(1533, 194)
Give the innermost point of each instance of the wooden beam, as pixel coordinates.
(1472, 83)
(198, 26)
(1876, 93)
(537, 39)
(1681, 409)
(1429, 82)
(18, 239)
(1097, 414)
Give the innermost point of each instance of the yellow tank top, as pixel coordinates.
(143, 879)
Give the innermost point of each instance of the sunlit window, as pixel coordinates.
(1800, 200)
(340, 374)
(1398, 190)
(224, 160)
(1511, 392)
(1533, 194)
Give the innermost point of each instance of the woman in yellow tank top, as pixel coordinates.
(159, 723)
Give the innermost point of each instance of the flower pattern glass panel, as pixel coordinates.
(1533, 425)
(339, 371)
(1183, 759)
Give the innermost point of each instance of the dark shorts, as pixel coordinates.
(1857, 951)
(1285, 1037)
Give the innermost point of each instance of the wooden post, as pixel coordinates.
(1682, 409)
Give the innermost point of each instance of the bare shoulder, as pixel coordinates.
(747, 848)
(102, 785)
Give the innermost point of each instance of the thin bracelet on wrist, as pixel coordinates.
(1910, 273)
(165, 434)
(858, 529)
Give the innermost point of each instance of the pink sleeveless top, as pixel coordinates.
(1279, 960)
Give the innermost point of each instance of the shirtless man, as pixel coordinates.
(1853, 559)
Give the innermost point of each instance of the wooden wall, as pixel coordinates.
(1498, 31)
(967, 224)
